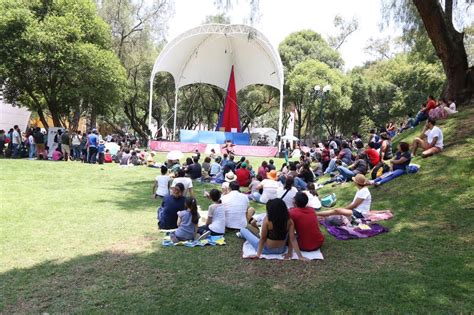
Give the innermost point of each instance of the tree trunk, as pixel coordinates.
(449, 47)
(43, 119)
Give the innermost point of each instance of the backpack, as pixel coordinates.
(379, 169)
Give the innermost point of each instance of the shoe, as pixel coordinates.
(203, 236)
(238, 235)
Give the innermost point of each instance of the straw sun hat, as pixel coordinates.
(360, 179)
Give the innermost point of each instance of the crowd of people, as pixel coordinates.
(289, 192)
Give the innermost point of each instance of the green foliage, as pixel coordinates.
(56, 57)
(303, 45)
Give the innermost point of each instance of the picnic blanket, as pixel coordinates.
(210, 240)
(346, 232)
(379, 215)
(248, 251)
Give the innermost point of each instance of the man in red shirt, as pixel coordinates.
(372, 154)
(243, 175)
(423, 114)
(306, 224)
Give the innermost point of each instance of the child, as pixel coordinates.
(101, 150)
(161, 187)
(313, 198)
(254, 184)
(187, 222)
(57, 155)
(215, 223)
(107, 156)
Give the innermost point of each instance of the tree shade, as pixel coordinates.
(205, 54)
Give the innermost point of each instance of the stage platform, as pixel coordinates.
(186, 147)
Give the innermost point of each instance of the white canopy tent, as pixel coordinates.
(206, 54)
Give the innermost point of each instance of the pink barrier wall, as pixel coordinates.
(241, 150)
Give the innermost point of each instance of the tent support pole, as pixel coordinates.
(150, 107)
(280, 119)
(175, 113)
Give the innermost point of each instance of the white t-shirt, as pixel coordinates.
(288, 197)
(364, 194)
(217, 213)
(333, 144)
(452, 106)
(313, 201)
(186, 181)
(31, 140)
(270, 188)
(76, 140)
(162, 181)
(16, 138)
(235, 206)
(435, 132)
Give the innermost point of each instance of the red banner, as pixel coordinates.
(240, 150)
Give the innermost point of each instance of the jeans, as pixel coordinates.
(32, 150)
(389, 176)
(300, 184)
(331, 167)
(15, 149)
(255, 196)
(253, 240)
(76, 152)
(419, 118)
(92, 157)
(346, 173)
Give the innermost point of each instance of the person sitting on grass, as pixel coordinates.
(215, 223)
(288, 192)
(306, 174)
(215, 167)
(277, 231)
(187, 222)
(57, 155)
(431, 139)
(168, 212)
(359, 207)
(236, 207)
(372, 155)
(313, 197)
(360, 166)
(399, 165)
(306, 224)
(386, 148)
(162, 182)
(108, 157)
(243, 175)
(254, 184)
(186, 181)
(125, 160)
(269, 188)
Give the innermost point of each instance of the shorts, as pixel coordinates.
(357, 214)
(65, 149)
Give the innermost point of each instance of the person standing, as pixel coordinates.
(92, 142)
(76, 144)
(66, 145)
(31, 143)
(38, 138)
(16, 141)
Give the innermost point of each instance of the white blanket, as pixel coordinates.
(248, 251)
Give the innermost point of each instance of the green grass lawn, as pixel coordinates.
(83, 238)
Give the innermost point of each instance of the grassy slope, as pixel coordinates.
(82, 238)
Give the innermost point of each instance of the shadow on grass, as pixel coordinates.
(200, 280)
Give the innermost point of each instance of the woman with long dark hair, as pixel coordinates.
(278, 232)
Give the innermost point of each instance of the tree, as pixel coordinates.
(55, 59)
(301, 82)
(133, 24)
(447, 41)
(303, 45)
(346, 28)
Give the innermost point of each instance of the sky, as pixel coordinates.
(279, 18)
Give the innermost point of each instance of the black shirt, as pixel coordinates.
(195, 170)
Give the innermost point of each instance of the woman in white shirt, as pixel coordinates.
(161, 187)
(269, 186)
(288, 192)
(360, 206)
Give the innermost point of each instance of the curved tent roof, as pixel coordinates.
(206, 54)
